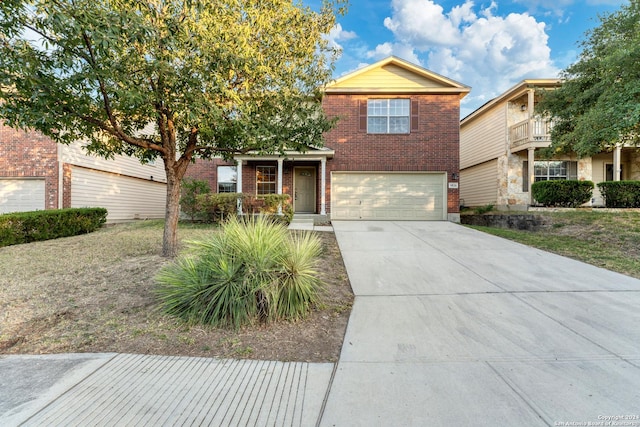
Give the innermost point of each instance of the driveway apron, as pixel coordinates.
(451, 326)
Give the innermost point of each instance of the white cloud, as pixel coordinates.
(337, 34)
(490, 53)
(397, 49)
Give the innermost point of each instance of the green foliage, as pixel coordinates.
(562, 193)
(25, 227)
(173, 79)
(621, 194)
(250, 271)
(191, 189)
(273, 201)
(599, 101)
(216, 207)
(483, 209)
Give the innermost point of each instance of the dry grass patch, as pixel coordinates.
(95, 293)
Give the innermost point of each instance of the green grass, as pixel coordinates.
(608, 240)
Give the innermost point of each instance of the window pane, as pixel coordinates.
(546, 170)
(399, 107)
(227, 178)
(399, 125)
(388, 115)
(377, 125)
(266, 180)
(377, 107)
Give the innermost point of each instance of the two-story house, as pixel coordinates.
(394, 154)
(499, 152)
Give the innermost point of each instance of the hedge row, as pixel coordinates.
(25, 227)
(214, 207)
(562, 193)
(621, 194)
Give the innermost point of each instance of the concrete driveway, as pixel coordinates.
(453, 327)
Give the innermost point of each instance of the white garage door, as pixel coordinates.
(21, 195)
(388, 196)
(125, 198)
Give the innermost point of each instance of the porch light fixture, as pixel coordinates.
(454, 176)
(523, 107)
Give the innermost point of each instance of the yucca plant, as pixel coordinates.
(299, 283)
(251, 270)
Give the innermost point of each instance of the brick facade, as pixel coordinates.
(30, 155)
(433, 147)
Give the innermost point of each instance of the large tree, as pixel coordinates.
(175, 79)
(598, 105)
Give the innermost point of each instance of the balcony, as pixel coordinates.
(530, 133)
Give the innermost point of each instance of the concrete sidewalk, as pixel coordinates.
(142, 390)
(453, 327)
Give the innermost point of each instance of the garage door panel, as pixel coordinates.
(388, 196)
(22, 195)
(125, 198)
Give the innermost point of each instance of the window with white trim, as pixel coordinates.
(547, 170)
(265, 180)
(227, 179)
(388, 115)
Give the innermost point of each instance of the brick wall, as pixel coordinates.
(30, 155)
(433, 147)
(204, 170)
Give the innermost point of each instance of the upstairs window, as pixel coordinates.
(388, 115)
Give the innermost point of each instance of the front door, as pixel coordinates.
(304, 186)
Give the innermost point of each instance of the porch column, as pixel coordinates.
(280, 162)
(531, 99)
(616, 163)
(531, 160)
(323, 186)
(239, 184)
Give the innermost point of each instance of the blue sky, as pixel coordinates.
(488, 45)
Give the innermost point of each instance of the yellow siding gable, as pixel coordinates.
(394, 75)
(389, 77)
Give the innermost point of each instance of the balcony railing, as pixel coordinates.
(535, 130)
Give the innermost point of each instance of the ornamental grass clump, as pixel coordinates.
(252, 270)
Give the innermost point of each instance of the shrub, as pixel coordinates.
(621, 194)
(480, 210)
(191, 189)
(252, 270)
(216, 207)
(562, 193)
(25, 227)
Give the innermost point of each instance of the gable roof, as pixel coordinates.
(394, 75)
(514, 92)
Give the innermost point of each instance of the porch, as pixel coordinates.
(301, 175)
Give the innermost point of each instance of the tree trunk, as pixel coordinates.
(172, 214)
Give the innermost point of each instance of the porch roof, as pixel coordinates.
(316, 154)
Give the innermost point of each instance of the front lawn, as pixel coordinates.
(606, 239)
(95, 293)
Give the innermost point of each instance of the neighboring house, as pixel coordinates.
(36, 174)
(499, 143)
(394, 154)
